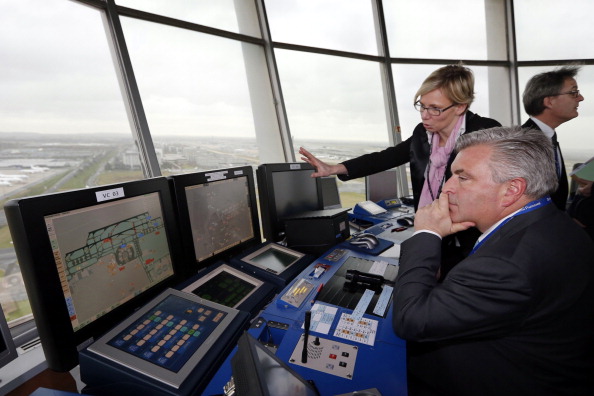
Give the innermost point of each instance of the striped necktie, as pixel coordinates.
(556, 150)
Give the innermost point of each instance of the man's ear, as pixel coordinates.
(547, 101)
(514, 190)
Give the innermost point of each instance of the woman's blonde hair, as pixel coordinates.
(455, 81)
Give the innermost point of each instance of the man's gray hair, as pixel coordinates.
(517, 152)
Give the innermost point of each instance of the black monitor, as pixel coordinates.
(90, 257)
(258, 372)
(382, 185)
(7, 348)
(286, 189)
(330, 193)
(218, 213)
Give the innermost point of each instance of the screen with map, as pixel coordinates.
(218, 213)
(90, 257)
(118, 248)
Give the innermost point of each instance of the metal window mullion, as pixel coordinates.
(134, 107)
(512, 56)
(277, 94)
(391, 106)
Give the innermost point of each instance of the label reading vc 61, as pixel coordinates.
(106, 195)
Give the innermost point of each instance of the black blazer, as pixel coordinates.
(514, 318)
(415, 149)
(560, 196)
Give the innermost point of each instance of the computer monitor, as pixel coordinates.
(258, 372)
(90, 257)
(273, 258)
(218, 213)
(7, 348)
(231, 287)
(286, 189)
(382, 185)
(272, 262)
(330, 194)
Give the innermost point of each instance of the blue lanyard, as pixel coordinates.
(530, 206)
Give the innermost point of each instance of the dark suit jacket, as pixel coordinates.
(514, 318)
(560, 196)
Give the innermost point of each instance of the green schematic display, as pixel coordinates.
(109, 253)
(225, 288)
(225, 285)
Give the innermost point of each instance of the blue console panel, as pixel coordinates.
(369, 354)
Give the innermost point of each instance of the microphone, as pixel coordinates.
(305, 336)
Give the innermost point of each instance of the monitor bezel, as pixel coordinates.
(26, 218)
(272, 225)
(179, 184)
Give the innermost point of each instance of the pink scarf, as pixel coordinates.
(438, 160)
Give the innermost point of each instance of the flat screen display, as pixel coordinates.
(220, 215)
(224, 285)
(286, 190)
(224, 288)
(295, 192)
(90, 257)
(330, 193)
(382, 185)
(108, 253)
(273, 258)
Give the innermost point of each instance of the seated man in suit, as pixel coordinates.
(516, 317)
(552, 98)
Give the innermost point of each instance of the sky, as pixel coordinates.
(57, 73)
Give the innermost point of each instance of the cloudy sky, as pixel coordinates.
(57, 73)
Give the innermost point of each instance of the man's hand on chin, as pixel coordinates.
(436, 218)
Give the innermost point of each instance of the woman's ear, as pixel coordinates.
(461, 109)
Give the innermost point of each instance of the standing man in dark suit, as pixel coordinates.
(516, 317)
(550, 99)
